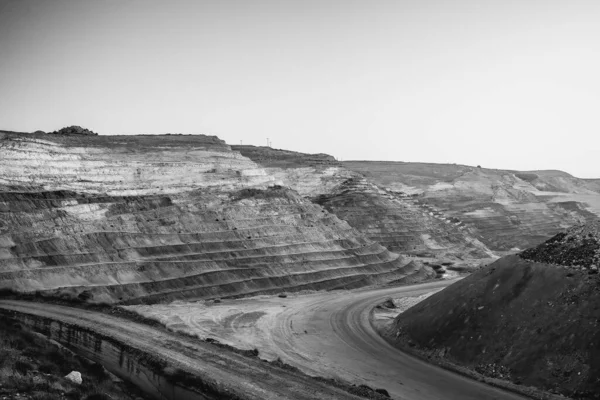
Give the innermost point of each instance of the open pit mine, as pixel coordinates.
(198, 270)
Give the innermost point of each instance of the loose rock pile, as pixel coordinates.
(579, 247)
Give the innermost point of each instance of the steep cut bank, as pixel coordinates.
(390, 218)
(520, 318)
(506, 210)
(153, 218)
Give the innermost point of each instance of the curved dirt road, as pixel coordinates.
(326, 334)
(236, 375)
(340, 341)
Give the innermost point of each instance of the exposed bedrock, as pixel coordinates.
(399, 222)
(198, 221)
(506, 210)
(395, 220)
(124, 165)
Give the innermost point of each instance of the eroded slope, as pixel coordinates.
(506, 210)
(395, 220)
(147, 218)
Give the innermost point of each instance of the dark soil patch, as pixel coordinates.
(517, 320)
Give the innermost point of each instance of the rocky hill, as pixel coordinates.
(391, 218)
(151, 218)
(71, 130)
(506, 210)
(532, 318)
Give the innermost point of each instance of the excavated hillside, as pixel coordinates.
(506, 210)
(393, 219)
(152, 218)
(532, 318)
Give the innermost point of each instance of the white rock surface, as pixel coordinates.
(75, 377)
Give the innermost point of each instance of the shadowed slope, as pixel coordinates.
(530, 322)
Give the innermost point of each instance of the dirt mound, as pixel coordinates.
(73, 130)
(531, 323)
(578, 247)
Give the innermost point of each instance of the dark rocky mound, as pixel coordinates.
(519, 319)
(74, 130)
(579, 247)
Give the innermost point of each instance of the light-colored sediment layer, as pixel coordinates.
(151, 219)
(396, 221)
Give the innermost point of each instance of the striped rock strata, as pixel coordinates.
(397, 221)
(152, 218)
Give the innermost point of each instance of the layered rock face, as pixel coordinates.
(506, 210)
(152, 218)
(309, 174)
(124, 165)
(521, 318)
(397, 221)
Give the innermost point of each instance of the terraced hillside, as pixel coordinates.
(506, 210)
(533, 318)
(150, 218)
(390, 218)
(399, 222)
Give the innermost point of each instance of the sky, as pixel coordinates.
(502, 84)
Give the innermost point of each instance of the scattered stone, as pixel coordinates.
(577, 248)
(75, 377)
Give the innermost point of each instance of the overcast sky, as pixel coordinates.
(505, 84)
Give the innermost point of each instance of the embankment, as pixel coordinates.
(164, 364)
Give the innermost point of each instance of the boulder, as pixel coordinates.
(75, 377)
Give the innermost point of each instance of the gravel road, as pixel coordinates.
(326, 334)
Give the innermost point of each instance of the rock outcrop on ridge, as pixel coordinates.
(506, 210)
(151, 218)
(520, 318)
(71, 130)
